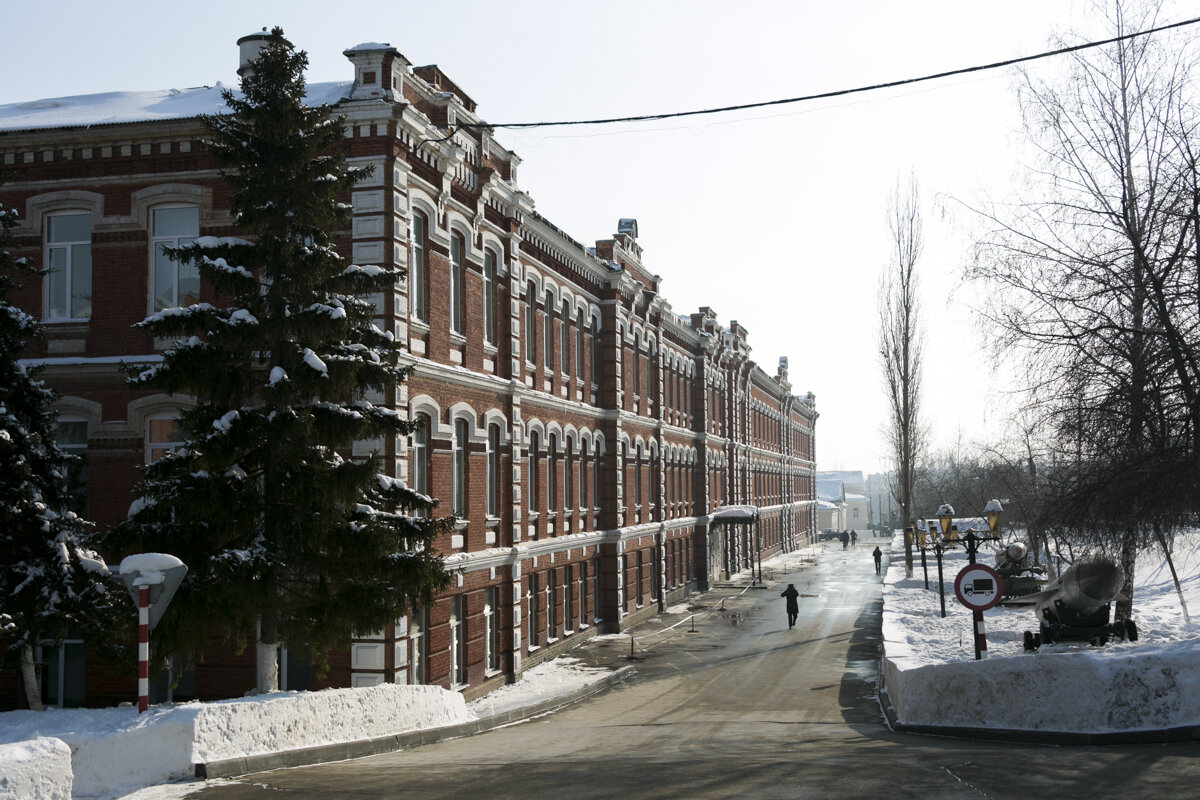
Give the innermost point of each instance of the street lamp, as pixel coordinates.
(991, 512)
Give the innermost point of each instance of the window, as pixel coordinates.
(493, 470)
(592, 355)
(163, 438)
(568, 476)
(637, 592)
(491, 629)
(551, 473)
(564, 346)
(583, 468)
(596, 479)
(534, 483)
(458, 471)
(63, 673)
(637, 479)
(489, 297)
(637, 375)
(457, 248)
(534, 630)
(530, 323)
(568, 587)
(595, 587)
(416, 268)
(579, 347)
(173, 284)
(551, 607)
(458, 642)
(548, 331)
(69, 261)
(71, 437)
(418, 648)
(420, 457)
(583, 582)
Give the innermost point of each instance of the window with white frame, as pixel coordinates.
(534, 479)
(596, 477)
(593, 346)
(418, 647)
(457, 254)
(458, 471)
(637, 479)
(530, 322)
(491, 619)
(551, 607)
(568, 587)
(551, 473)
(489, 297)
(548, 331)
(569, 475)
(583, 469)
(163, 437)
(534, 619)
(418, 229)
(458, 642)
(420, 457)
(71, 436)
(493, 470)
(173, 284)
(583, 584)
(68, 260)
(564, 345)
(579, 346)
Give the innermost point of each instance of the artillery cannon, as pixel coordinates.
(1077, 607)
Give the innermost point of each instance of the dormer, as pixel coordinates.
(379, 71)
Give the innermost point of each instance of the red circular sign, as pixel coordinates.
(977, 587)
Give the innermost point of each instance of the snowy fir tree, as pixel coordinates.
(51, 584)
(282, 530)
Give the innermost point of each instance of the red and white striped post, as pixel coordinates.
(143, 649)
(980, 637)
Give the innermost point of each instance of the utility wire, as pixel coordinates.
(826, 95)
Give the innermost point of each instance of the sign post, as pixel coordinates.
(978, 588)
(151, 579)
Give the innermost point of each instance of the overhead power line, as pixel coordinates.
(826, 95)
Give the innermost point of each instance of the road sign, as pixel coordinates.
(977, 587)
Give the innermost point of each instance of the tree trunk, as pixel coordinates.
(268, 654)
(1162, 541)
(1128, 562)
(29, 679)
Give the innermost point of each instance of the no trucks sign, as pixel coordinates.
(977, 587)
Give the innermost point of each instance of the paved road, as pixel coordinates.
(745, 707)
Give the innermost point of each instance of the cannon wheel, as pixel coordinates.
(1131, 633)
(1047, 636)
(1031, 642)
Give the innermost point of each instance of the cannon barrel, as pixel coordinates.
(1090, 584)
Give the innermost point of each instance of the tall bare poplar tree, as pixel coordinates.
(901, 349)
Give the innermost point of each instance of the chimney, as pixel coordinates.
(249, 47)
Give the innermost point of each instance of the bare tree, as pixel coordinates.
(1093, 284)
(901, 350)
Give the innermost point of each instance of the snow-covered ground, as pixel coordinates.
(932, 678)
(116, 751)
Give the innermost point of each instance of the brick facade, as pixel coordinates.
(609, 427)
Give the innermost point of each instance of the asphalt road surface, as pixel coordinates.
(744, 707)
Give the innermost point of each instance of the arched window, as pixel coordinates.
(530, 323)
(493, 470)
(551, 473)
(534, 482)
(579, 346)
(457, 254)
(594, 344)
(637, 373)
(564, 346)
(569, 475)
(596, 476)
(489, 297)
(637, 478)
(416, 267)
(420, 457)
(458, 471)
(548, 332)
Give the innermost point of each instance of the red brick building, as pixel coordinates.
(582, 430)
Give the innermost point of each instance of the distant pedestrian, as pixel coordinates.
(853, 538)
(793, 607)
(878, 559)
(845, 539)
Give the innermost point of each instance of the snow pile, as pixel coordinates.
(40, 768)
(931, 677)
(546, 681)
(116, 750)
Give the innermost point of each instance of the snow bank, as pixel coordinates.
(116, 750)
(548, 680)
(931, 677)
(35, 770)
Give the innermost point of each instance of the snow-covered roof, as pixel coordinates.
(825, 505)
(852, 497)
(110, 108)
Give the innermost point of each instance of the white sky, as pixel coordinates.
(774, 217)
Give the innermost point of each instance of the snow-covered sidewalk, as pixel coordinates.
(112, 752)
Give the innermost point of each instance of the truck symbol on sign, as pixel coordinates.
(980, 586)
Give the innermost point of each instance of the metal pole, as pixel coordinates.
(937, 549)
(925, 568)
(143, 649)
(980, 636)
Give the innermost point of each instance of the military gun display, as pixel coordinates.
(1018, 575)
(1078, 605)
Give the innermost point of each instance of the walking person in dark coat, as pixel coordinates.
(878, 559)
(845, 539)
(793, 607)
